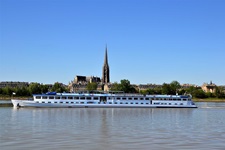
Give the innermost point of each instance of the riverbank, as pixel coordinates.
(9, 97)
(208, 100)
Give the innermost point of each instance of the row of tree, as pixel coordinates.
(170, 89)
(33, 88)
(175, 88)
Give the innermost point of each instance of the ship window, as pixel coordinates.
(51, 97)
(126, 102)
(77, 102)
(82, 102)
(124, 98)
(147, 103)
(70, 97)
(121, 103)
(184, 99)
(146, 98)
(44, 97)
(49, 102)
(118, 98)
(135, 98)
(64, 97)
(72, 102)
(82, 97)
(142, 103)
(169, 103)
(38, 97)
(95, 98)
(130, 98)
(90, 102)
(55, 102)
(88, 98)
(61, 102)
(109, 97)
(110, 102)
(115, 102)
(76, 97)
(43, 102)
(141, 98)
(131, 103)
(137, 103)
(67, 102)
(181, 103)
(57, 97)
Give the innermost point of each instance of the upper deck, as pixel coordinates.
(107, 96)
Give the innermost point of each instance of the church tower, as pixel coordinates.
(105, 69)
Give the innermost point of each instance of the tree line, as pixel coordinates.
(172, 88)
(33, 88)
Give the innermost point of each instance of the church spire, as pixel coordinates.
(105, 69)
(106, 56)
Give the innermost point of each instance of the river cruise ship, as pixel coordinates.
(84, 100)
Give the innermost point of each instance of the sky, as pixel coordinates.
(148, 41)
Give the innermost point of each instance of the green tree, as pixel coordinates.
(124, 86)
(127, 87)
(59, 88)
(166, 89)
(35, 88)
(199, 93)
(158, 90)
(191, 90)
(116, 87)
(181, 92)
(175, 86)
(219, 92)
(152, 91)
(7, 91)
(92, 86)
(44, 88)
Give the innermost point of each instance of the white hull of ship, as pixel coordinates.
(27, 103)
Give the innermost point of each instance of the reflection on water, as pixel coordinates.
(5, 103)
(113, 128)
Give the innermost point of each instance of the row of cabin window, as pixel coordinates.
(171, 99)
(166, 104)
(90, 98)
(97, 98)
(92, 102)
(63, 97)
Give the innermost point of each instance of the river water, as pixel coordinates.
(113, 128)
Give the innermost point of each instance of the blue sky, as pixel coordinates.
(149, 41)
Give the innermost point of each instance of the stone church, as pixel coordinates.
(80, 82)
